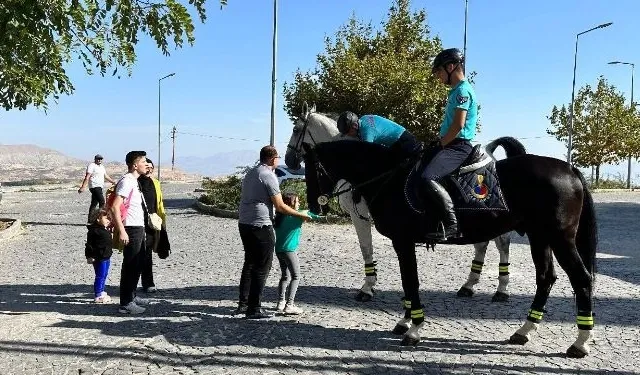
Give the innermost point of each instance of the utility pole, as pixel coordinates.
(274, 50)
(173, 153)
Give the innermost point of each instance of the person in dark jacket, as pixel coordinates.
(98, 251)
(152, 194)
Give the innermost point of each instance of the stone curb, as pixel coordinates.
(13, 229)
(615, 190)
(211, 210)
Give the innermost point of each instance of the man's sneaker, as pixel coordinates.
(151, 289)
(259, 314)
(292, 309)
(104, 298)
(131, 308)
(140, 301)
(281, 305)
(241, 309)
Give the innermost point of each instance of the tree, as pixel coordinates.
(602, 126)
(39, 37)
(387, 72)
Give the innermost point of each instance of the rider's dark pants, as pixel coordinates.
(407, 145)
(447, 160)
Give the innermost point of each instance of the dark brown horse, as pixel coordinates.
(547, 199)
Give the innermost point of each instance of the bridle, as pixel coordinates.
(298, 147)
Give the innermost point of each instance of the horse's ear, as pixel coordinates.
(313, 108)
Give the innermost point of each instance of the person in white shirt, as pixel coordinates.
(94, 177)
(131, 231)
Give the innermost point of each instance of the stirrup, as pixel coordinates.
(443, 234)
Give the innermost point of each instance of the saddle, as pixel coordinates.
(473, 186)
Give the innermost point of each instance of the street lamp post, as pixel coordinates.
(573, 91)
(632, 106)
(273, 72)
(158, 161)
(464, 48)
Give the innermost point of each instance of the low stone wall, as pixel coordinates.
(211, 210)
(12, 230)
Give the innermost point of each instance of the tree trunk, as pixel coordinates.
(597, 174)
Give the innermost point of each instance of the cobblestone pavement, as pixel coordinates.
(49, 324)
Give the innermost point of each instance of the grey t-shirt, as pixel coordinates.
(258, 186)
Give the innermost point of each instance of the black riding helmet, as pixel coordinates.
(346, 121)
(447, 56)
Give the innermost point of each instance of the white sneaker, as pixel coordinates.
(104, 298)
(292, 309)
(281, 304)
(140, 301)
(131, 308)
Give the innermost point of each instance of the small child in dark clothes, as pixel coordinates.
(98, 251)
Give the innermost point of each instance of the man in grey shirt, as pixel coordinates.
(260, 195)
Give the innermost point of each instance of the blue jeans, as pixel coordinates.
(102, 271)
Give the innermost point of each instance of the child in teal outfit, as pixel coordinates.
(288, 230)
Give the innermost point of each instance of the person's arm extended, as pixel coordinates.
(108, 178)
(84, 183)
(283, 208)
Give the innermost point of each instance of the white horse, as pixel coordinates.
(314, 127)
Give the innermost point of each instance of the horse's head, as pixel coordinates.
(310, 128)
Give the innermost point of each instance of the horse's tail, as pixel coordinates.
(587, 236)
(512, 147)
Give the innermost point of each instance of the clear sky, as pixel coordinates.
(522, 51)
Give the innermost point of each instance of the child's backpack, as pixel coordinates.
(110, 197)
(124, 207)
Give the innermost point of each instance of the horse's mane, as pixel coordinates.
(369, 156)
(332, 115)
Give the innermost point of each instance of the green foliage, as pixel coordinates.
(605, 129)
(385, 72)
(38, 38)
(610, 183)
(223, 194)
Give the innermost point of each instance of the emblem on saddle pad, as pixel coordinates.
(480, 190)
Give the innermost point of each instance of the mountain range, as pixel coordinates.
(31, 163)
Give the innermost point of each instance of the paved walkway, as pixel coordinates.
(49, 325)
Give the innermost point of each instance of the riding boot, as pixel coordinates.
(441, 201)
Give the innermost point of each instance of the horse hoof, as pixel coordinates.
(574, 352)
(400, 329)
(500, 297)
(518, 339)
(409, 341)
(363, 297)
(465, 292)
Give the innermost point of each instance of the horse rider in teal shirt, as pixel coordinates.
(457, 130)
(380, 130)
